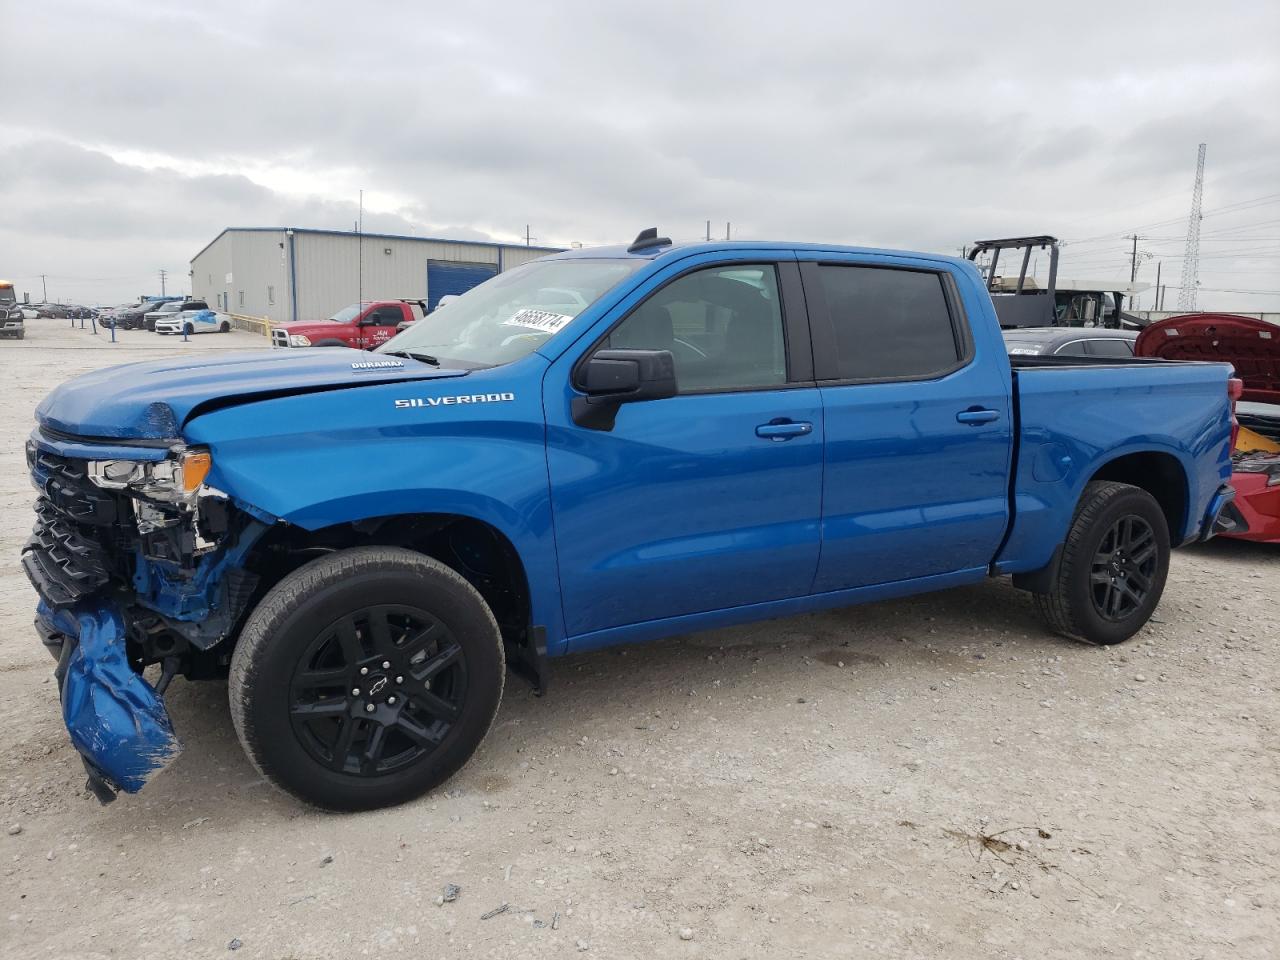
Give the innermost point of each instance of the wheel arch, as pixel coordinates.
(1159, 473)
(480, 551)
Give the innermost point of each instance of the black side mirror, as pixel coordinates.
(611, 378)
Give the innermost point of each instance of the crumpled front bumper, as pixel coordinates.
(116, 719)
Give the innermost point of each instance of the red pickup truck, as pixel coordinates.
(361, 325)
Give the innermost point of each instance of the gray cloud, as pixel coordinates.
(919, 126)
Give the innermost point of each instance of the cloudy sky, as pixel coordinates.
(133, 131)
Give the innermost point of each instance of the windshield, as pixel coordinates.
(513, 314)
(173, 306)
(7, 295)
(346, 314)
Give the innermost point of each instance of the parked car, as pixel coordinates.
(51, 311)
(167, 310)
(361, 325)
(598, 447)
(1252, 346)
(1069, 342)
(194, 317)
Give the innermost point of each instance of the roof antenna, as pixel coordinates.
(646, 239)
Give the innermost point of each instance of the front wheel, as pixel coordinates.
(365, 678)
(1113, 567)
(225, 328)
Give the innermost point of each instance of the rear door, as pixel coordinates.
(707, 500)
(917, 423)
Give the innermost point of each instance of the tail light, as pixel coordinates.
(1235, 390)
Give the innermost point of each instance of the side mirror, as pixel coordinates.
(611, 378)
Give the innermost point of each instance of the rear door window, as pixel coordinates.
(889, 324)
(1111, 348)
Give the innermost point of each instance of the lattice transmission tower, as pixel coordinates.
(1191, 256)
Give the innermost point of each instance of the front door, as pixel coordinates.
(918, 425)
(379, 325)
(706, 500)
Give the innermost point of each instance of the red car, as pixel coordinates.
(1253, 347)
(361, 325)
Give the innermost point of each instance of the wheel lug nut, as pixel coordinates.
(364, 671)
(369, 708)
(355, 691)
(391, 699)
(399, 679)
(426, 684)
(386, 664)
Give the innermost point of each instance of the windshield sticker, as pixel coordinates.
(376, 364)
(538, 320)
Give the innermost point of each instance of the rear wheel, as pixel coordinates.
(225, 328)
(366, 678)
(188, 329)
(1113, 567)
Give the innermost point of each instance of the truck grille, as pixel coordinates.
(83, 536)
(279, 338)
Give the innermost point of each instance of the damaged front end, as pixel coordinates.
(138, 561)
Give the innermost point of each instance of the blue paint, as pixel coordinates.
(194, 595)
(115, 718)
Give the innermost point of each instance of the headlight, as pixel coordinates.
(1268, 465)
(299, 340)
(174, 480)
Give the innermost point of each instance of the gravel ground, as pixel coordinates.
(935, 777)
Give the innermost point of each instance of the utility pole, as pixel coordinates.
(726, 229)
(1133, 262)
(528, 240)
(44, 288)
(708, 231)
(360, 254)
(163, 274)
(1159, 264)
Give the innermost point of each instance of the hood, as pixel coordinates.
(309, 326)
(152, 400)
(1252, 346)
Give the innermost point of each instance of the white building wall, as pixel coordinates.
(331, 270)
(209, 270)
(260, 274)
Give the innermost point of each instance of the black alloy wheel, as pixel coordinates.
(378, 690)
(1124, 568)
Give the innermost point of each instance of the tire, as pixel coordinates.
(331, 342)
(1118, 542)
(225, 328)
(298, 663)
(188, 329)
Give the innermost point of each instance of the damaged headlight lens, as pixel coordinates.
(175, 479)
(1268, 465)
(299, 340)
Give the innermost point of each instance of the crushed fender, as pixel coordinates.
(116, 719)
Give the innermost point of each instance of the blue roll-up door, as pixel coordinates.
(445, 277)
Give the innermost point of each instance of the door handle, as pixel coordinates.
(977, 416)
(784, 429)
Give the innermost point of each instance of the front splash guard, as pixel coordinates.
(115, 718)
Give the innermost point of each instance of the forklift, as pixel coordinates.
(1025, 302)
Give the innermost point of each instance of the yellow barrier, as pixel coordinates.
(260, 325)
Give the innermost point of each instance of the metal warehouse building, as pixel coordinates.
(293, 273)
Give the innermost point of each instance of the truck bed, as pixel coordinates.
(1077, 415)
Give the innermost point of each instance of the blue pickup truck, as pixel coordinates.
(599, 447)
